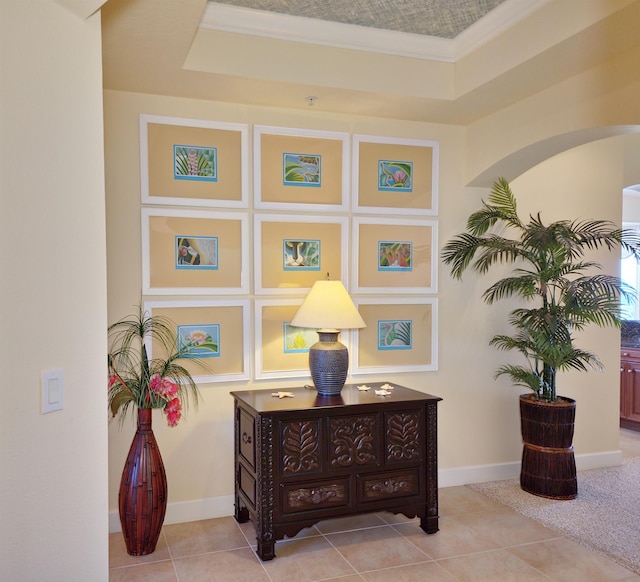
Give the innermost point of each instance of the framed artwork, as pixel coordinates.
(393, 255)
(293, 252)
(401, 335)
(300, 169)
(282, 350)
(190, 162)
(395, 176)
(196, 252)
(222, 325)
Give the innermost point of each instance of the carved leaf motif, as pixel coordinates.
(353, 440)
(403, 436)
(300, 452)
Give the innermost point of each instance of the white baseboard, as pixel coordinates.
(182, 511)
(503, 471)
(222, 506)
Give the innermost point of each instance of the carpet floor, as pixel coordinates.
(605, 516)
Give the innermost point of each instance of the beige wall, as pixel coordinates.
(478, 417)
(53, 473)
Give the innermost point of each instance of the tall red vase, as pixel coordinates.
(142, 500)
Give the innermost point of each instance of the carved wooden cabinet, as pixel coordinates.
(302, 459)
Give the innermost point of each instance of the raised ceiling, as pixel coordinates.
(249, 52)
(439, 18)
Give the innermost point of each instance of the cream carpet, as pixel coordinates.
(604, 517)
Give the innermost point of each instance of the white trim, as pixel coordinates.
(503, 471)
(183, 511)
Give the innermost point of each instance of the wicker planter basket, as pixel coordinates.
(548, 462)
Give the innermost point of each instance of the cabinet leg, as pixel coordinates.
(266, 550)
(242, 514)
(429, 524)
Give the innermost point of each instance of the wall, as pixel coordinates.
(53, 496)
(198, 453)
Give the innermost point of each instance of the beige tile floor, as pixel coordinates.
(479, 540)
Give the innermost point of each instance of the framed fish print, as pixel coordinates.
(394, 255)
(297, 169)
(401, 335)
(218, 330)
(292, 252)
(191, 162)
(395, 176)
(194, 252)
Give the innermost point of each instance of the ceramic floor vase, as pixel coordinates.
(142, 500)
(548, 462)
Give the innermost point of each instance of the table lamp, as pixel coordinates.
(328, 309)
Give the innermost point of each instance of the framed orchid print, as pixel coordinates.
(194, 252)
(222, 329)
(401, 335)
(292, 252)
(395, 176)
(190, 162)
(297, 169)
(394, 255)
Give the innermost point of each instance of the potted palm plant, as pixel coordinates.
(136, 381)
(562, 293)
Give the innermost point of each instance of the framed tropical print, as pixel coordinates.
(401, 335)
(292, 252)
(192, 162)
(394, 255)
(394, 175)
(296, 169)
(194, 252)
(222, 326)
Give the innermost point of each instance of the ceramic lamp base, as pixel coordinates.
(329, 363)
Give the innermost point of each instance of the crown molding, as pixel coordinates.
(240, 20)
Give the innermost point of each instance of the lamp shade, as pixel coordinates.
(328, 306)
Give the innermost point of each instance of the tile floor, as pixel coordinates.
(479, 540)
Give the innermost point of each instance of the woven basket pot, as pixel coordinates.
(548, 462)
(142, 500)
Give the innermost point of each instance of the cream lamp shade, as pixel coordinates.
(328, 308)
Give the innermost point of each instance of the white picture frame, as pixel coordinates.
(237, 368)
(422, 154)
(160, 227)
(228, 193)
(269, 146)
(366, 355)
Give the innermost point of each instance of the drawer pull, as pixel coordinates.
(246, 439)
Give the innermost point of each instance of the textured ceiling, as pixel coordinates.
(439, 18)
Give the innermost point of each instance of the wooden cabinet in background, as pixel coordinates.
(302, 459)
(630, 388)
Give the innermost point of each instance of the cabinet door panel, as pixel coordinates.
(633, 394)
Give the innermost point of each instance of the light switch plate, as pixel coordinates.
(52, 390)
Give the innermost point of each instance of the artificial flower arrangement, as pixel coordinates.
(151, 383)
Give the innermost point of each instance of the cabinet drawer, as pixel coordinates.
(388, 485)
(297, 497)
(247, 437)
